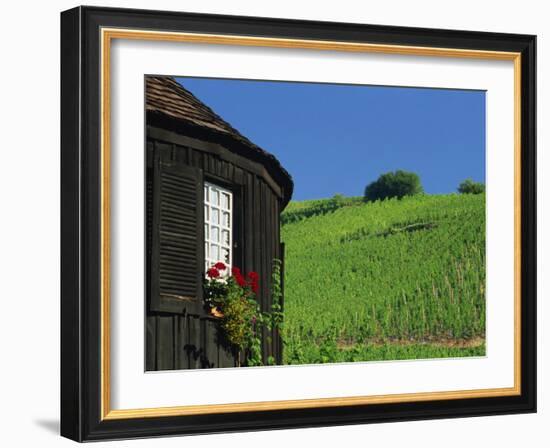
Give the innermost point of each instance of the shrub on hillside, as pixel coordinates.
(471, 187)
(396, 184)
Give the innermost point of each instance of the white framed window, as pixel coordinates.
(218, 222)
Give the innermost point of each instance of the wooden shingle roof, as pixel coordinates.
(166, 97)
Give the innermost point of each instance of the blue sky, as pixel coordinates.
(338, 138)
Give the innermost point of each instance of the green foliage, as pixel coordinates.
(296, 211)
(396, 184)
(276, 296)
(241, 323)
(328, 352)
(471, 187)
(239, 315)
(385, 280)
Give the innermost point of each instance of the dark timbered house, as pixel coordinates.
(212, 195)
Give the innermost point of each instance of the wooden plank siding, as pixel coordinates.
(185, 341)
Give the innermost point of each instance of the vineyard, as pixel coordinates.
(393, 279)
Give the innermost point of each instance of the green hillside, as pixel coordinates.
(396, 279)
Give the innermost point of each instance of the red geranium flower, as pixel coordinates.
(220, 266)
(253, 277)
(239, 277)
(213, 273)
(240, 280)
(255, 287)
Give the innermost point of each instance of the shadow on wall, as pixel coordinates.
(51, 426)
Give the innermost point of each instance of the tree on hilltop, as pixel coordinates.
(394, 184)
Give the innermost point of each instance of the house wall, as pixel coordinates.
(176, 341)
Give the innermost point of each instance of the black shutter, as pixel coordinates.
(177, 246)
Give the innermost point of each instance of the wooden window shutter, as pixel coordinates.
(177, 238)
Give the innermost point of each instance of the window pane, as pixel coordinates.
(225, 255)
(225, 237)
(218, 203)
(225, 201)
(214, 252)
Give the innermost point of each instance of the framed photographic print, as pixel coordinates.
(275, 224)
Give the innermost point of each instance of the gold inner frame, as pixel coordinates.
(107, 35)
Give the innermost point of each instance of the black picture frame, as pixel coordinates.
(81, 208)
